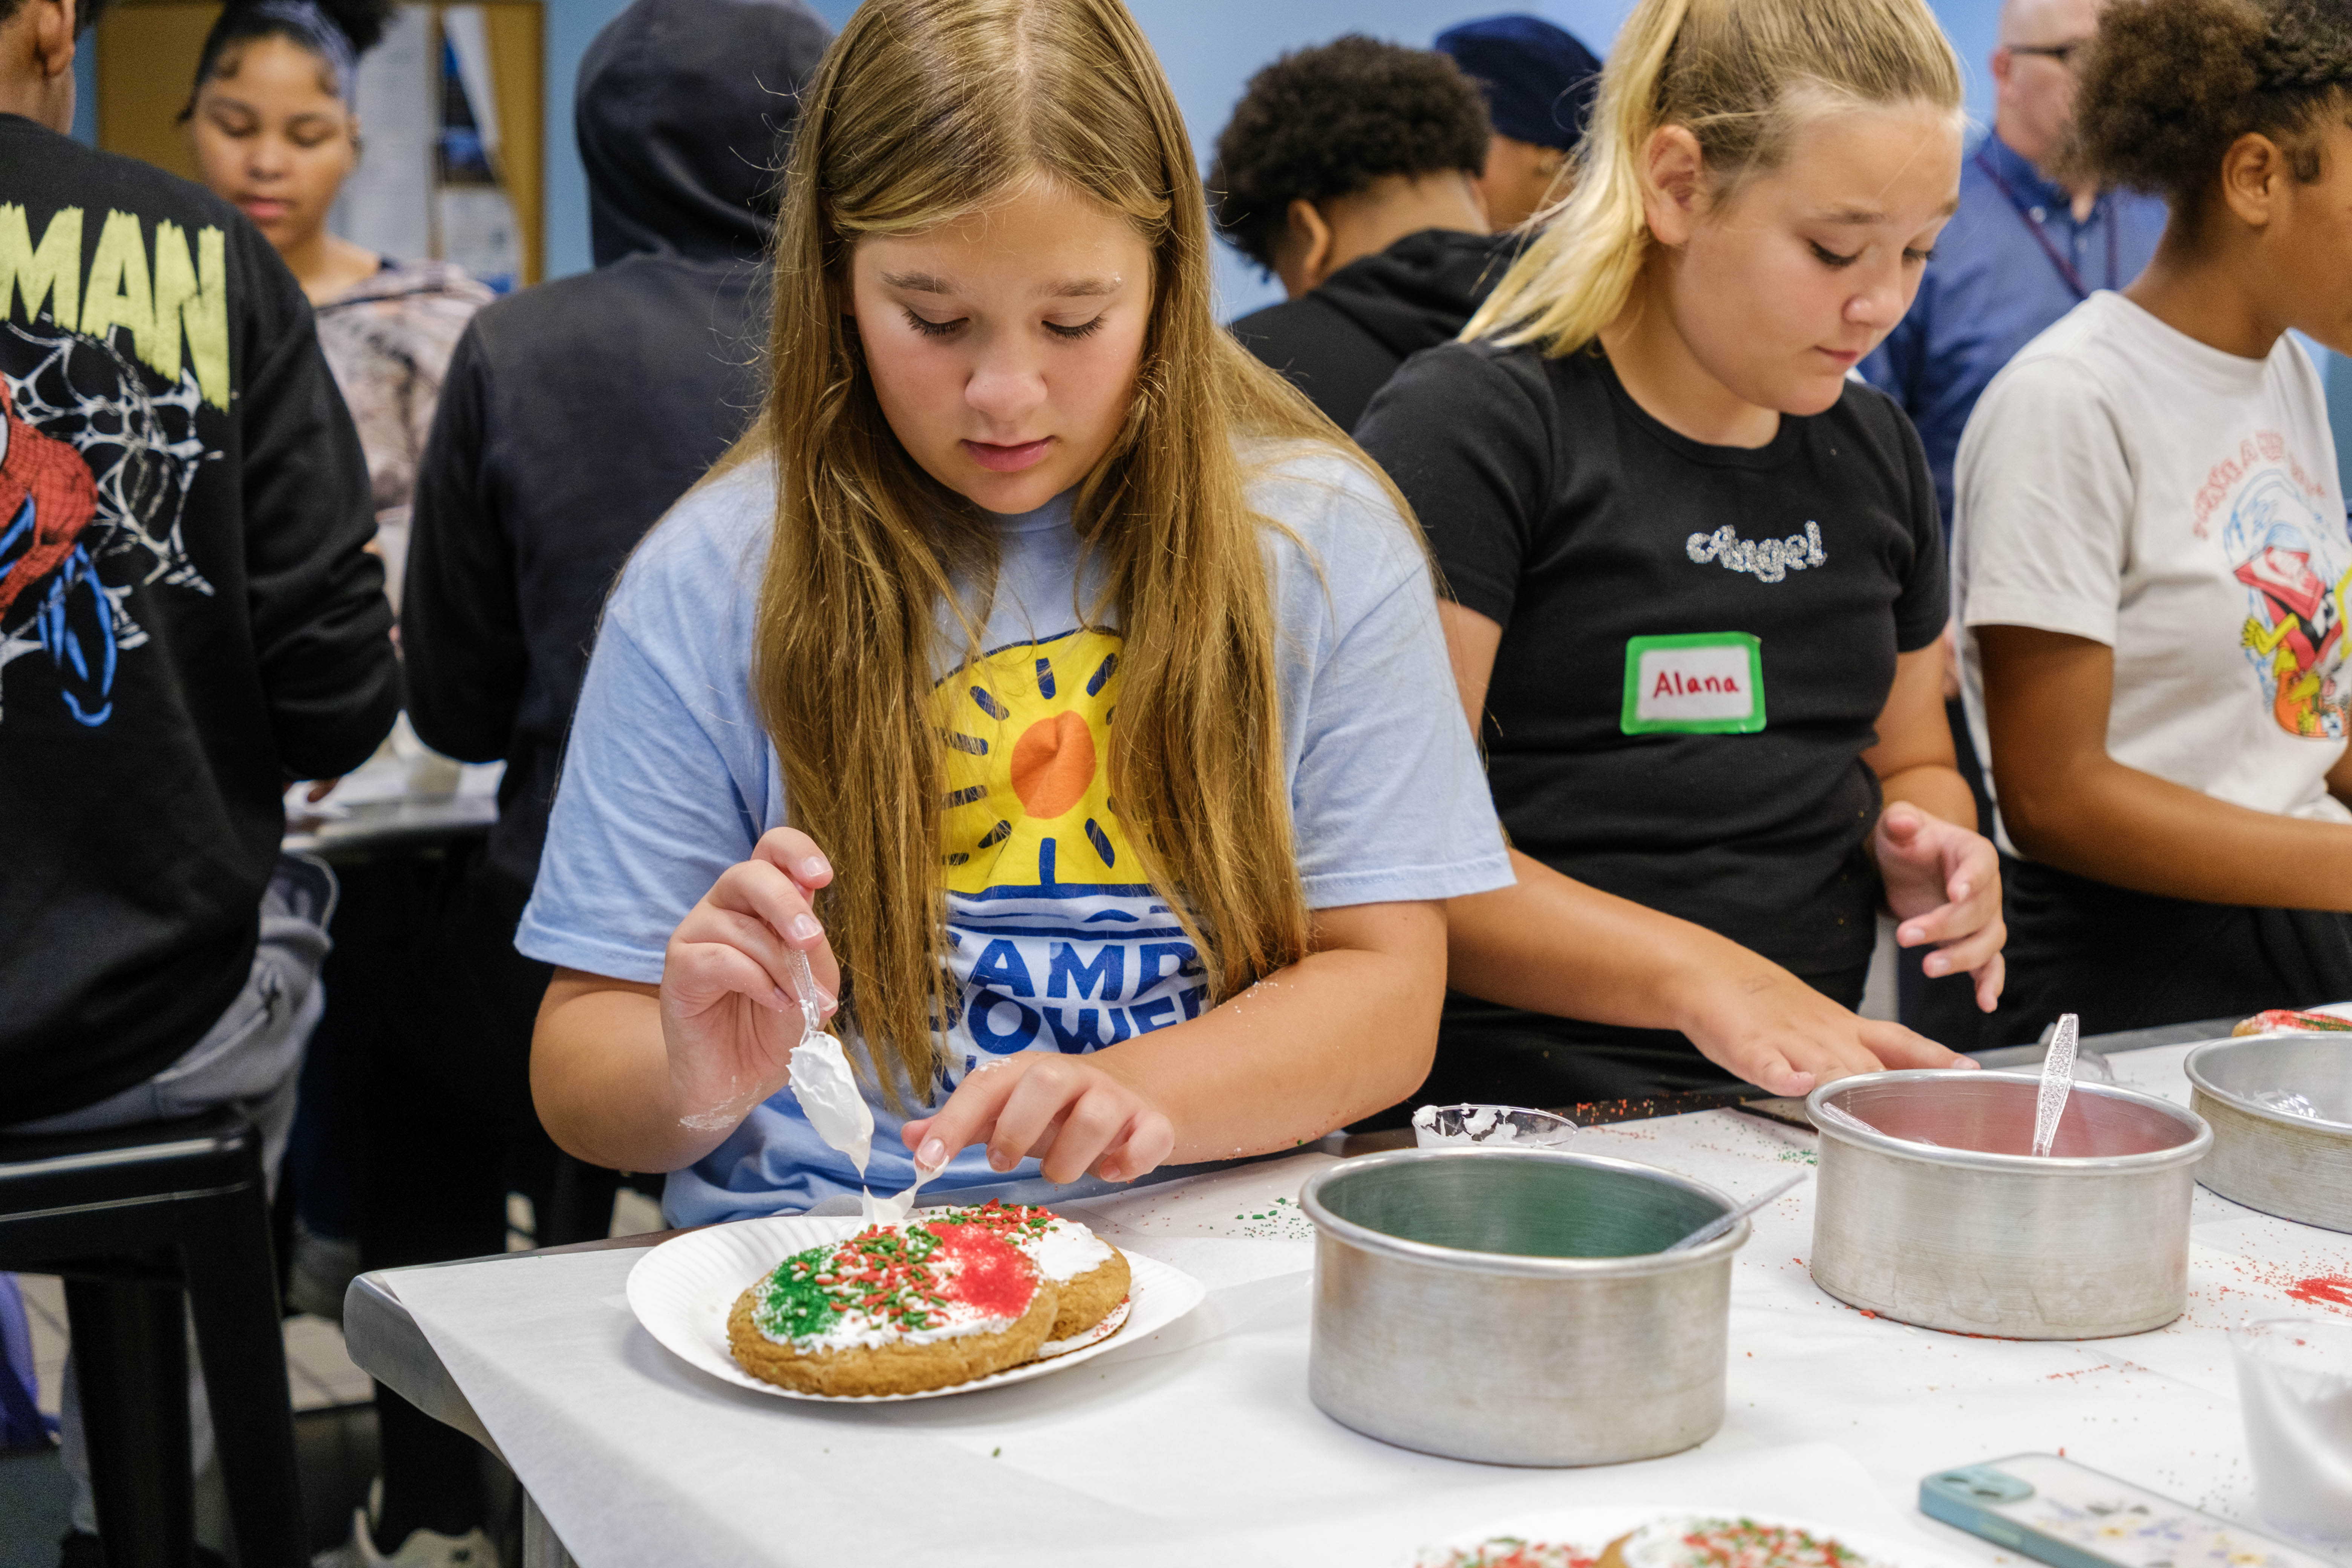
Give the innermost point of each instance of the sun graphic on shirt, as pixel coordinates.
(1028, 734)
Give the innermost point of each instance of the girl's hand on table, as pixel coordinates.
(1771, 1028)
(1943, 883)
(730, 1019)
(1074, 1114)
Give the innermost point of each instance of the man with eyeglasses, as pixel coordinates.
(2024, 249)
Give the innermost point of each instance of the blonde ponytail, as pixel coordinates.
(1741, 75)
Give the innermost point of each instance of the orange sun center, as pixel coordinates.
(1052, 762)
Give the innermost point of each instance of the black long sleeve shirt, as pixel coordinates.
(188, 612)
(572, 416)
(574, 413)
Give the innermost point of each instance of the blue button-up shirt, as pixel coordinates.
(1991, 289)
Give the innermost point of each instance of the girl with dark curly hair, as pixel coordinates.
(2152, 552)
(274, 131)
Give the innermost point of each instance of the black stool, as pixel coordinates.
(138, 1221)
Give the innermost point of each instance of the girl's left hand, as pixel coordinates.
(1943, 883)
(1074, 1114)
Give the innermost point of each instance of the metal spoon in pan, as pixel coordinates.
(1724, 1222)
(2057, 1083)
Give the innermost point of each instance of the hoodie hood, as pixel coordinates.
(681, 115)
(1421, 290)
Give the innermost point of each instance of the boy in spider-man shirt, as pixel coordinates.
(188, 617)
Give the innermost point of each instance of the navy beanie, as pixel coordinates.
(1539, 81)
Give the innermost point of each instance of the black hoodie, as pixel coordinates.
(1340, 342)
(575, 412)
(188, 613)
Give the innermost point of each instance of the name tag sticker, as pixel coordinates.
(1695, 683)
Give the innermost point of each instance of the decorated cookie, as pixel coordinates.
(2287, 1021)
(1510, 1552)
(893, 1310)
(1690, 1542)
(1089, 1276)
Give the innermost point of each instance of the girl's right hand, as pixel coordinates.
(730, 1019)
(1771, 1028)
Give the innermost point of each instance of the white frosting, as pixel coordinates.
(854, 1331)
(1065, 1249)
(858, 1329)
(830, 1097)
(1062, 1251)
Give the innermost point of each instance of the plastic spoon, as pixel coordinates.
(1722, 1223)
(894, 1211)
(2057, 1082)
(804, 990)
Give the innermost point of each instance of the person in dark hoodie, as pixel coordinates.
(189, 616)
(1349, 171)
(572, 415)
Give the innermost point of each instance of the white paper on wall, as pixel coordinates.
(387, 202)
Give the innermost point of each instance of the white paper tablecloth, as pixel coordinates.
(1199, 1444)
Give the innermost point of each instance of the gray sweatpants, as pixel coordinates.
(252, 1058)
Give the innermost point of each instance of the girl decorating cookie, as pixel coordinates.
(1041, 665)
(1696, 576)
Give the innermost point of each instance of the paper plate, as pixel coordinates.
(1584, 1530)
(683, 1291)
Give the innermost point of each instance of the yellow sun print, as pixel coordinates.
(1028, 735)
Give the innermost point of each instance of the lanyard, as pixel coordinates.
(2073, 279)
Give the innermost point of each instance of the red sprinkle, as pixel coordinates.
(2323, 1290)
(994, 1277)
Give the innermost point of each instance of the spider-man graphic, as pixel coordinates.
(47, 499)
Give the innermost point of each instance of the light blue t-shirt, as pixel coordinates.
(1056, 943)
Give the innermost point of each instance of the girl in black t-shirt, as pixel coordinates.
(1697, 578)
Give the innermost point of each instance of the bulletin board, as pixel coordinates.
(419, 190)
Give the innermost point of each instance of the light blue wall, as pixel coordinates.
(572, 26)
(1210, 48)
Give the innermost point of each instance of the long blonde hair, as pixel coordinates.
(1741, 75)
(925, 111)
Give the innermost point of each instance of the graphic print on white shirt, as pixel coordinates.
(1053, 938)
(2199, 534)
(2293, 563)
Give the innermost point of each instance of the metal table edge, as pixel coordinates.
(384, 1342)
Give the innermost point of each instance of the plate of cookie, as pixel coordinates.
(1627, 1536)
(954, 1301)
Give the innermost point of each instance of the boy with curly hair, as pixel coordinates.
(1349, 171)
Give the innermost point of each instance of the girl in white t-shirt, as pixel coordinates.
(1041, 667)
(2151, 548)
